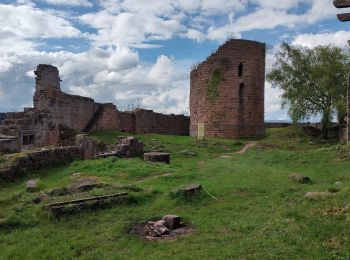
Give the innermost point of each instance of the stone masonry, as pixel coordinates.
(227, 91)
(56, 113)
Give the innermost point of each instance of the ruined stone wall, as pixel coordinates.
(39, 124)
(227, 91)
(105, 119)
(142, 121)
(40, 159)
(126, 121)
(148, 121)
(71, 111)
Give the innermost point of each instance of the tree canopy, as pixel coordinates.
(313, 81)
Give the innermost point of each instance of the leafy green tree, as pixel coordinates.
(313, 82)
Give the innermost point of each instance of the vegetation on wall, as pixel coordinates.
(213, 92)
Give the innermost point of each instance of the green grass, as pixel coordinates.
(259, 213)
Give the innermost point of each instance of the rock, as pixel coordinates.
(129, 147)
(296, 177)
(189, 153)
(338, 183)
(316, 195)
(156, 229)
(172, 221)
(157, 157)
(189, 191)
(87, 145)
(32, 185)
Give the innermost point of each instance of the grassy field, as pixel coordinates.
(259, 213)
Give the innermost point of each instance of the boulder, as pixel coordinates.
(157, 157)
(32, 185)
(296, 177)
(172, 221)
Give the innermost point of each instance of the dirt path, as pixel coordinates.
(246, 147)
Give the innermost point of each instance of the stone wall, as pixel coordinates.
(40, 159)
(39, 125)
(227, 91)
(148, 121)
(142, 121)
(126, 121)
(56, 115)
(105, 119)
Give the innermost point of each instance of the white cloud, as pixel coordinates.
(339, 38)
(85, 3)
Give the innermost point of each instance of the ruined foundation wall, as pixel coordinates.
(40, 159)
(227, 103)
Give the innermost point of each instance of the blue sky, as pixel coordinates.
(122, 51)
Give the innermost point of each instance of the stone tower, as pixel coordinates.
(227, 91)
(47, 82)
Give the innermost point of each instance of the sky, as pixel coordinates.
(132, 51)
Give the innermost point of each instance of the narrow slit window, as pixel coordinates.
(240, 70)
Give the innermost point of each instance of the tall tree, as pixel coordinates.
(313, 82)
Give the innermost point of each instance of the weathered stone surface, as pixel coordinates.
(188, 192)
(157, 157)
(129, 147)
(40, 159)
(32, 185)
(156, 229)
(69, 206)
(87, 145)
(227, 91)
(172, 221)
(296, 177)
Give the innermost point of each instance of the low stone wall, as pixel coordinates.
(40, 159)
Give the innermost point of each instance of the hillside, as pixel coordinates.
(253, 210)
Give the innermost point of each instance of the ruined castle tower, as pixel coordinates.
(227, 92)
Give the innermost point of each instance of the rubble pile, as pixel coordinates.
(126, 147)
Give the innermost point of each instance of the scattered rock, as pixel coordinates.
(32, 185)
(316, 195)
(189, 153)
(155, 229)
(157, 157)
(188, 192)
(168, 228)
(338, 183)
(296, 177)
(125, 148)
(172, 221)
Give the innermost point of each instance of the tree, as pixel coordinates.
(313, 82)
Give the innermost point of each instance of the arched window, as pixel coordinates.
(240, 70)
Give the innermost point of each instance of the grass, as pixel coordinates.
(259, 213)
